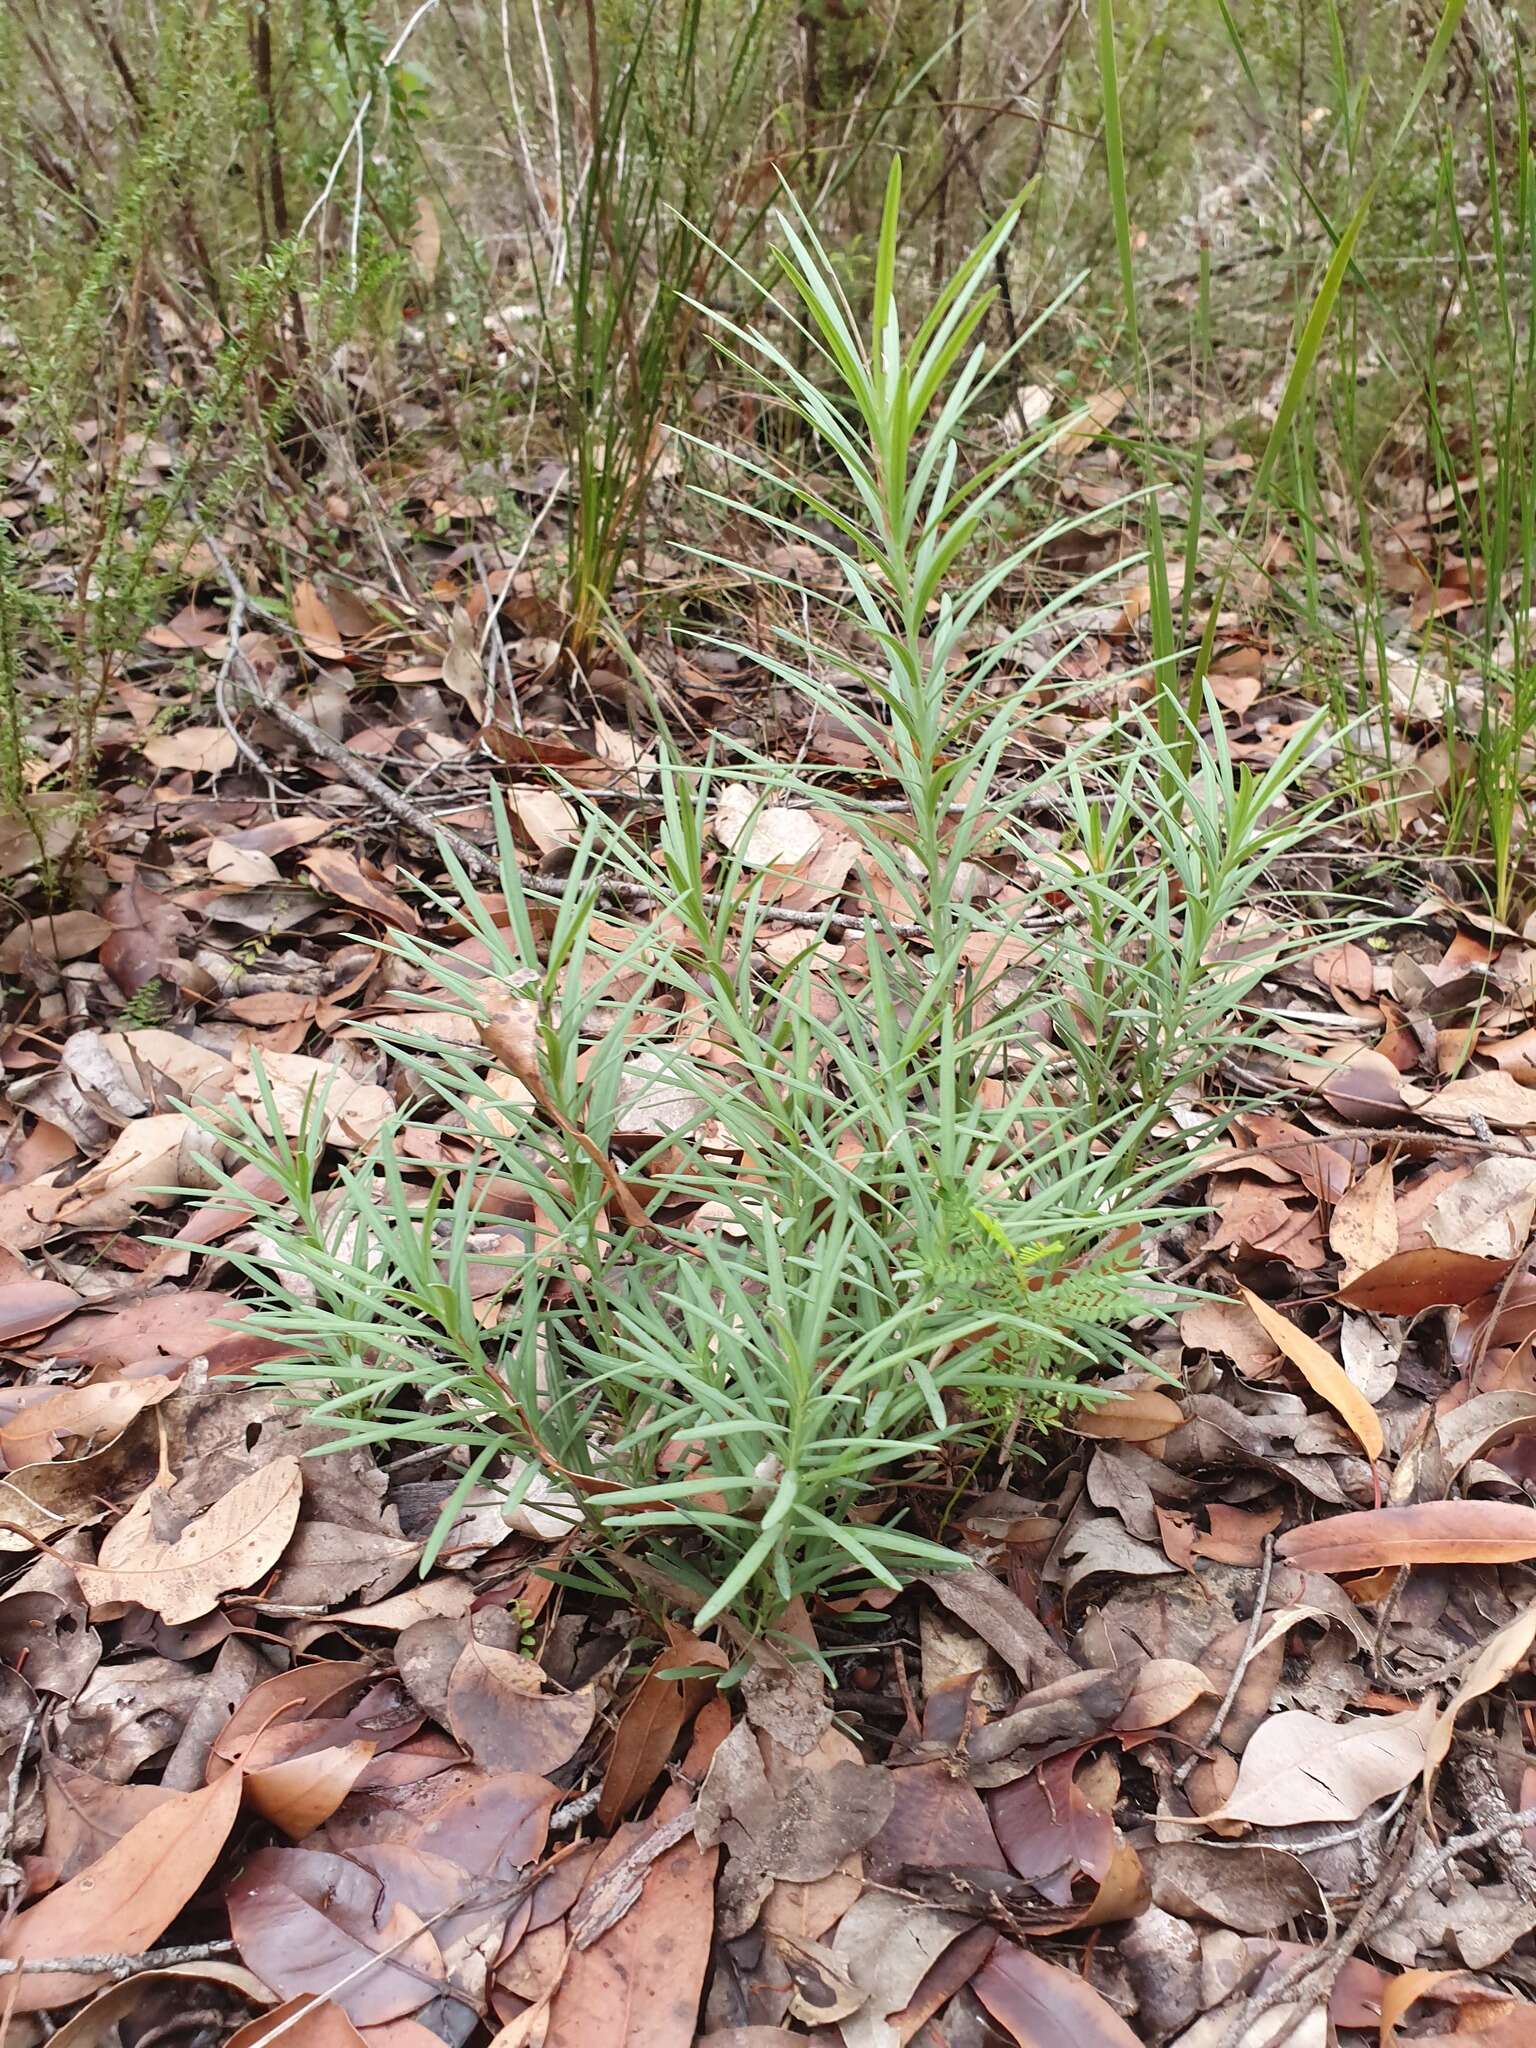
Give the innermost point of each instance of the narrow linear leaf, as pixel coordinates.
(1321, 1374)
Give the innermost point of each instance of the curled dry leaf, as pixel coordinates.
(225, 1548)
(1429, 1532)
(102, 1409)
(301, 1794)
(360, 883)
(126, 1898)
(182, 1986)
(1500, 1656)
(1299, 1768)
(1321, 1373)
(324, 2026)
(1164, 1687)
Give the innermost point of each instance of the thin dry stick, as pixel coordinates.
(10, 1871)
(1381, 1903)
(117, 1966)
(1219, 1720)
(1324, 1964)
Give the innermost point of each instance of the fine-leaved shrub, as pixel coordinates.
(740, 1241)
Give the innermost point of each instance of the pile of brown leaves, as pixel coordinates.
(1214, 1736)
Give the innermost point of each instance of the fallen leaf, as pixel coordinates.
(800, 1827)
(1164, 1687)
(1137, 1416)
(353, 1111)
(148, 1164)
(1045, 2006)
(315, 622)
(1227, 1328)
(1365, 1087)
(761, 833)
(1321, 1374)
(123, 1901)
(301, 1794)
(68, 935)
(225, 1548)
(498, 1709)
(426, 241)
(1402, 1992)
(654, 1716)
(27, 1306)
(886, 1945)
(463, 669)
(638, 1984)
(1299, 1768)
(241, 867)
(1429, 1532)
(1495, 1098)
(548, 818)
(1084, 426)
(1411, 1282)
(1345, 969)
(1000, 1618)
(1068, 1710)
(360, 883)
(193, 750)
(325, 2026)
(307, 1921)
(102, 1409)
(97, 2025)
(1049, 1831)
(1501, 1656)
(1363, 1227)
(1487, 1212)
(1246, 1885)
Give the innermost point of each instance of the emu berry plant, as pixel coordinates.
(728, 1240)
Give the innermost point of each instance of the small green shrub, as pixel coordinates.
(785, 1236)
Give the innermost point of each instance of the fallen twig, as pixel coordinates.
(1229, 1698)
(1478, 1783)
(118, 1967)
(1383, 1900)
